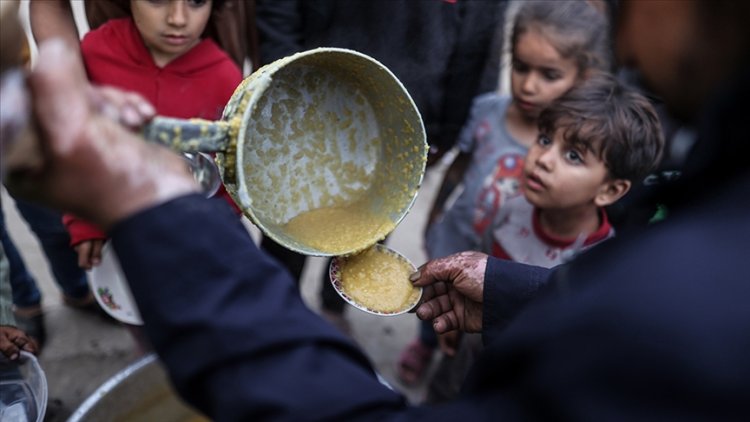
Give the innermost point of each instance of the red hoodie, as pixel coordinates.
(197, 84)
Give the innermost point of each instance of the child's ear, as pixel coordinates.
(611, 191)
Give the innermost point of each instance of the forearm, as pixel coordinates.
(242, 320)
(508, 287)
(53, 19)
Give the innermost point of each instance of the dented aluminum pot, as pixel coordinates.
(322, 128)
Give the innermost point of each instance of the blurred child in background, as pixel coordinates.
(159, 53)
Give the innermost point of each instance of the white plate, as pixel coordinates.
(111, 289)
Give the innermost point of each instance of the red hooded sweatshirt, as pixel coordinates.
(197, 84)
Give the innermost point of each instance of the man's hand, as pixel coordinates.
(127, 108)
(453, 289)
(92, 166)
(13, 340)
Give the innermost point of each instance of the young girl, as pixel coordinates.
(554, 45)
(159, 53)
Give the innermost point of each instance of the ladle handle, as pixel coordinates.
(188, 135)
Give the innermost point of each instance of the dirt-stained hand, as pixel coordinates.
(453, 291)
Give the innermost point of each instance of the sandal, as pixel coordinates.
(413, 363)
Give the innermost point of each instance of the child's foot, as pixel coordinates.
(84, 303)
(414, 361)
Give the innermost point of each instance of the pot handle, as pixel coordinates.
(189, 135)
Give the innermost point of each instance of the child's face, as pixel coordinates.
(539, 74)
(170, 28)
(558, 175)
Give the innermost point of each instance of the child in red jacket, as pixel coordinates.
(158, 52)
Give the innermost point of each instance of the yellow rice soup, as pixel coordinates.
(339, 230)
(378, 280)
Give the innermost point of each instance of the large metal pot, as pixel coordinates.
(140, 392)
(325, 128)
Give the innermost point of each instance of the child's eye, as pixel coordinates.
(520, 66)
(551, 75)
(574, 157)
(197, 3)
(544, 140)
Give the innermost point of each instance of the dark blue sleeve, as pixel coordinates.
(230, 326)
(653, 326)
(508, 287)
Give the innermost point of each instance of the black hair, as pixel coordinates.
(577, 30)
(605, 116)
